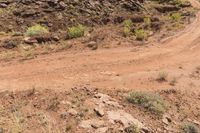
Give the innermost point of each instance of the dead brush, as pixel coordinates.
(18, 124)
(47, 123)
(53, 104)
(173, 82)
(162, 76)
(31, 92)
(190, 128)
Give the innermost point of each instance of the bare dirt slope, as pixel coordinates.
(121, 67)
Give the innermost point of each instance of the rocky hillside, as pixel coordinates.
(60, 14)
(25, 24)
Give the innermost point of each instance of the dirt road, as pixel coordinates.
(130, 67)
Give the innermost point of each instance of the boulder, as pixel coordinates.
(125, 118)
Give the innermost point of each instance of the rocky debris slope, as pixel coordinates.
(59, 14)
(88, 110)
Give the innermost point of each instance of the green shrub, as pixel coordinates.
(127, 31)
(175, 17)
(190, 128)
(76, 31)
(150, 101)
(36, 30)
(140, 34)
(179, 2)
(128, 24)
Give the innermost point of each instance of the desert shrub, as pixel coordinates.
(190, 128)
(147, 22)
(76, 31)
(26, 54)
(128, 24)
(36, 30)
(127, 31)
(162, 76)
(150, 101)
(140, 34)
(7, 55)
(180, 2)
(175, 17)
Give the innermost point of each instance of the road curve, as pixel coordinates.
(110, 68)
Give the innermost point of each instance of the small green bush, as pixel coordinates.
(179, 3)
(190, 128)
(140, 34)
(128, 24)
(150, 101)
(36, 30)
(127, 31)
(76, 31)
(176, 17)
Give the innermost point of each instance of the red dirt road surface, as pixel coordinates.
(128, 67)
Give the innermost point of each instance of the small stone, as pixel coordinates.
(3, 5)
(146, 130)
(99, 111)
(66, 103)
(30, 40)
(166, 119)
(93, 123)
(72, 112)
(55, 38)
(196, 122)
(93, 45)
